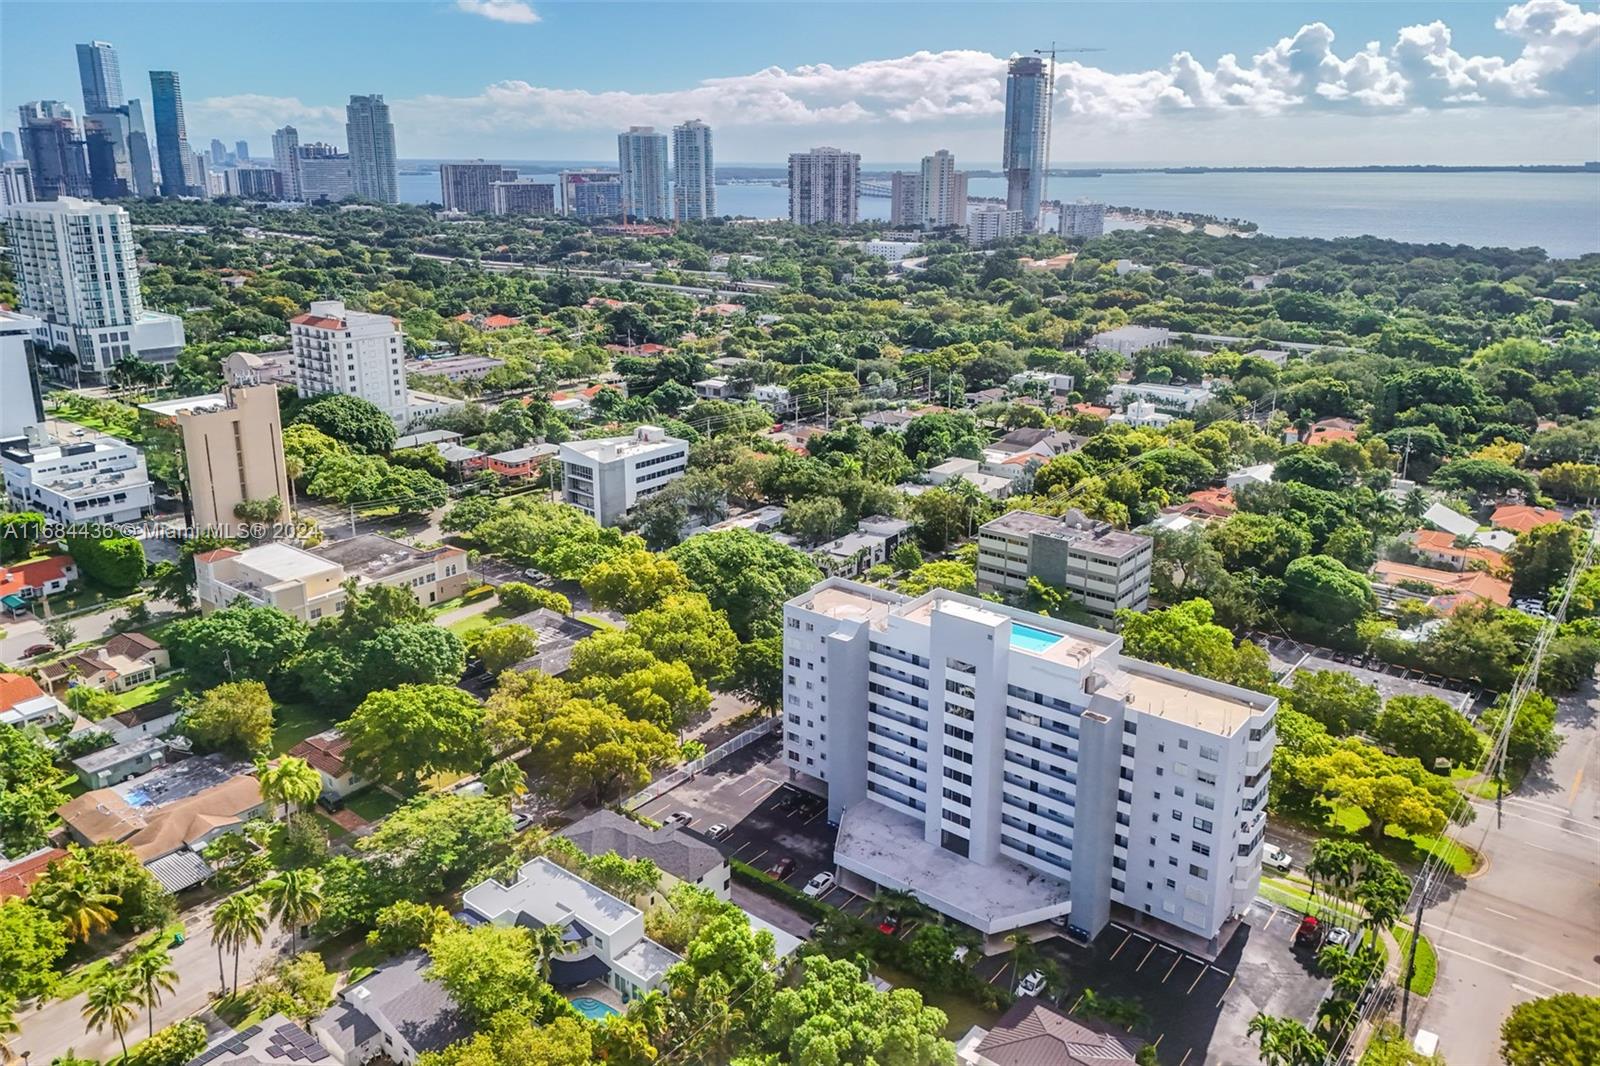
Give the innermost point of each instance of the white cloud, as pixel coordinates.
(255, 111)
(500, 10)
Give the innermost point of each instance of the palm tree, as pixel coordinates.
(505, 778)
(70, 894)
(295, 898)
(110, 1005)
(892, 901)
(550, 942)
(238, 920)
(1021, 949)
(291, 781)
(650, 1011)
(1286, 1042)
(153, 973)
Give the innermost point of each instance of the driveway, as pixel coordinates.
(58, 1026)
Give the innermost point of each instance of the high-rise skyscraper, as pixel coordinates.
(937, 191)
(141, 171)
(16, 183)
(101, 76)
(905, 198)
(241, 151)
(8, 147)
(1025, 153)
(105, 138)
(55, 150)
(286, 160)
(372, 158)
(642, 159)
(469, 186)
(172, 136)
(591, 193)
(824, 186)
(523, 197)
(219, 152)
(1083, 219)
(694, 172)
(75, 268)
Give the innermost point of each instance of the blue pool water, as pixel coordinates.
(593, 1009)
(1030, 639)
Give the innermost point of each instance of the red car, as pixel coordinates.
(781, 869)
(1309, 935)
(889, 925)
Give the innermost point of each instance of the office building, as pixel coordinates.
(905, 199)
(324, 173)
(219, 153)
(310, 585)
(824, 186)
(97, 481)
(232, 447)
(937, 191)
(74, 262)
(55, 150)
(172, 135)
(1102, 568)
(605, 477)
(350, 352)
(372, 157)
(101, 76)
(591, 193)
(1083, 219)
(252, 183)
(8, 147)
(105, 142)
(466, 186)
(141, 168)
(694, 172)
(16, 183)
(21, 401)
(1010, 768)
(523, 197)
(990, 222)
(286, 161)
(241, 151)
(642, 161)
(1025, 151)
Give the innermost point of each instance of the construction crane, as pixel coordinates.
(1050, 103)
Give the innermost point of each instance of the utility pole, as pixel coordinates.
(1411, 951)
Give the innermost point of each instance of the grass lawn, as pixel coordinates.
(293, 722)
(962, 1012)
(1427, 961)
(1401, 846)
(165, 688)
(465, 627)
(79, 979)
(1290, 894)
(374, 804)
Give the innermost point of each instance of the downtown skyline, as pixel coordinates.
(1446, 84)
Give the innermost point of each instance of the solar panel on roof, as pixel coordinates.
(294, 1054)
(316, 1054)
(287, 1028)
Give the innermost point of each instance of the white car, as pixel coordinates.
(960, 953)
(819, 885)
(1339, 936)
(1277, 858)
(717, 832)
(1032, 984)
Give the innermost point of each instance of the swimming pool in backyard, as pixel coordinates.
(593, 1009)
(1031, 639)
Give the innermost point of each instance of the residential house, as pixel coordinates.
(1519, 518)
(426, 437)
(1441, 549)
(1251, 476)
(34, 580)
(18, 875)
(325, 753)
(613, 955)
(394, 1013)
(273, 1041)
(1182, 398)
(558, 635)
(1142, 415)
(1451, 521)
(970, 470)
(118, 762)
(893, 421)
(1035, 1033)
(1323, 431)
(717, 388)
(153, 719)
(124, 662)
(1446, 588)
(520, 462)
(872, 542)
(681, 858)
(1205, 504)
(23, 702)
(460, 459)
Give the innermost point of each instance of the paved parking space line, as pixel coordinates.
(814, 817)
(1152, 951)
(741, 847)
(1122, 945)
(1187, 1052)
(1001, 972)
(759, 782)
(1174, 966)
(1196, 981)
(1220, 970)
(1231, 982)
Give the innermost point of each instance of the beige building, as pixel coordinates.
(310, 584)
(1104, 569)
(233, 446)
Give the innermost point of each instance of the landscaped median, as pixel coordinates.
(1427, 968)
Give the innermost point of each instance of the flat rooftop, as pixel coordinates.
(283, 562)
(607, 448)
(850, 602)
(550, 895)
(1030, 633)
(372, 555)
(172, 408)
(1164, 698)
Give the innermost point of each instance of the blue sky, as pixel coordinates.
(502, 78)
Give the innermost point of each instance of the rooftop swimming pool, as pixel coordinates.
(1031, 639)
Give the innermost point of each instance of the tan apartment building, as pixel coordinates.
(1102, 568)
(310, 584)
(232, 445)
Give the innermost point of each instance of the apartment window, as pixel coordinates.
(1171, 883)
(1200, 849)
(1176, 791)
(1198, 871)
(1206, 802)
(1202, 824)
(1210, 754)
(794, 660)
(1183, 745)
(1177, 816)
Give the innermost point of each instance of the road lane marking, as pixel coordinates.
(1503, 914)
(1591, 837)
(1492, 966)
(1512, 954)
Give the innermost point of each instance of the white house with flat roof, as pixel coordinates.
(608, 932)
(1166, 397)
(1104, 569)
(605, 477)
(94, 481)
(1009, 768)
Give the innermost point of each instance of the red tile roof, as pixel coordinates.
(317, 321)
(1092, 409)
(1519, 518)
(500, 322)
(14, 688)
(1448, 582)
(17, 878)
(1442, 543)
(215, 554)
(1216, 502)
(34, 574)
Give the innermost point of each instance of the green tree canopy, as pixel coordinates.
(415, 731)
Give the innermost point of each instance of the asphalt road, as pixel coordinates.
(58, 1026)
(22, 633)
(1528, 926)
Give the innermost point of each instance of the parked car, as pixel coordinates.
(1032, 984)
(1277, 858)
(717, 832)
(889, 925)
(38, 649)
(1309, 935)
(533, 575)
(1339, 936)
(521, 821)
(331, 804)
(960, 953)
(781, 869)
(681, 819)
(820, 885)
